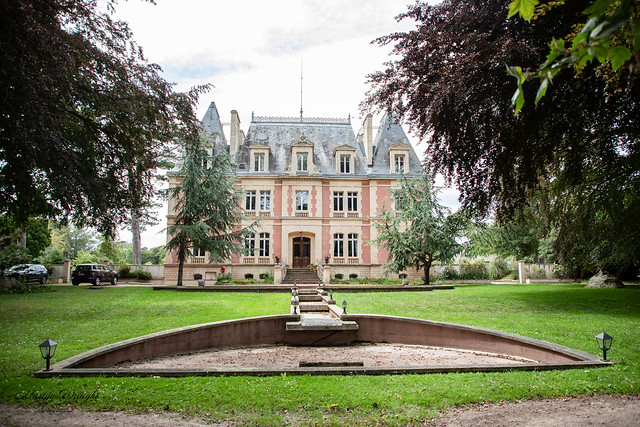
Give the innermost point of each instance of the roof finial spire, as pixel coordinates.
(301, 73)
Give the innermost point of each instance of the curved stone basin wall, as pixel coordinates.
(272, 330)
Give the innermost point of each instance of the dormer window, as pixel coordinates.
(302, 162)
(399, 158)
(259, 157)
(345, 159)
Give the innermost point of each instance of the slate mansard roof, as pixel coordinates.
(326, 135)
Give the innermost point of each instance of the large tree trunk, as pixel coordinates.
(135, 230)
(180, 269)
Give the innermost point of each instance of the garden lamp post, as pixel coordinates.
(47, 350)
(344, 306)
(604, 342)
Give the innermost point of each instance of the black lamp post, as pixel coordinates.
(48, 349)
(604, 342)
(344, 306)
(330, 294)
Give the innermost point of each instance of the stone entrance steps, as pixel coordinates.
(320, 322)
(301, 276)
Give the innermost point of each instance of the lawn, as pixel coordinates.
(80, 319)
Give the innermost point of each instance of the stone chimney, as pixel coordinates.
(235, 134)
(367, 138)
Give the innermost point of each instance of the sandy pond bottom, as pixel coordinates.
(284, 356)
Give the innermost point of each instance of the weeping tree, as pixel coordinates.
(419, 230)
(208, 213)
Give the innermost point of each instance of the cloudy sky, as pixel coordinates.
(253, 51)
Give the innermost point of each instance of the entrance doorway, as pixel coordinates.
(301, 252)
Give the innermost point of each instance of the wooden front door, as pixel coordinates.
(301, 252)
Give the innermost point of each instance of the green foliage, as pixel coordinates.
(51, 255)
(224, 277)
(449, 273)
(14, 254)
(140, 274)
(87, 258)
(266, 277)
(468, 266)
(421, 232)
(498, 269)
(207, 207)
(11, 285)
(38, 236)
(339, 276)
(611, 35)
(124, 272)
(154, 256)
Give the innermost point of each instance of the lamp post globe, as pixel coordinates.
(604, 342)
(47, 350)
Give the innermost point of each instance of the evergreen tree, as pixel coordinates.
(208, 210)
(420, 230)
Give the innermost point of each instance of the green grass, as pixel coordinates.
(80, 319)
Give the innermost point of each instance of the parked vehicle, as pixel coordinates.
(93, 273)
(29, 273)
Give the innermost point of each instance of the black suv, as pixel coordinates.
(93, 273)
(28, 272)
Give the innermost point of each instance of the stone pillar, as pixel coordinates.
(488, 266)
(277, 274)
(326, 274)
(522, 272)
(67, 270)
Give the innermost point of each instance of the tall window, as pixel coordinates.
(352, 201)
(263, 242)
(345, 163)
(399, 161)
(250, 245)
(302, 164)
(338, 245)
(258, 162)
(338, 201)
(250, 200)
(302, 200)
(265, 200)
(352, 245)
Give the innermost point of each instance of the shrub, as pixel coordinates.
(145, 275)
(536, 272)
(224, 277)
(266, 277)
(449, 273)
(499, 268)
(472, 268)
(124, 272)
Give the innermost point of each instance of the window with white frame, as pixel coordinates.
(198, 252)
(352, 245)
(345, 163)
(399, 163)
(302, 162)
(250, 200)
(338, 245)
(352, 201)
(265, 200)
(263, 245)
(258, 162)
(302, 200)
(338, 201)
(250, 245)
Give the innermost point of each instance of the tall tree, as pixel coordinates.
(419, 230)
(83, 116)
(208, 213)
(451, 86)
